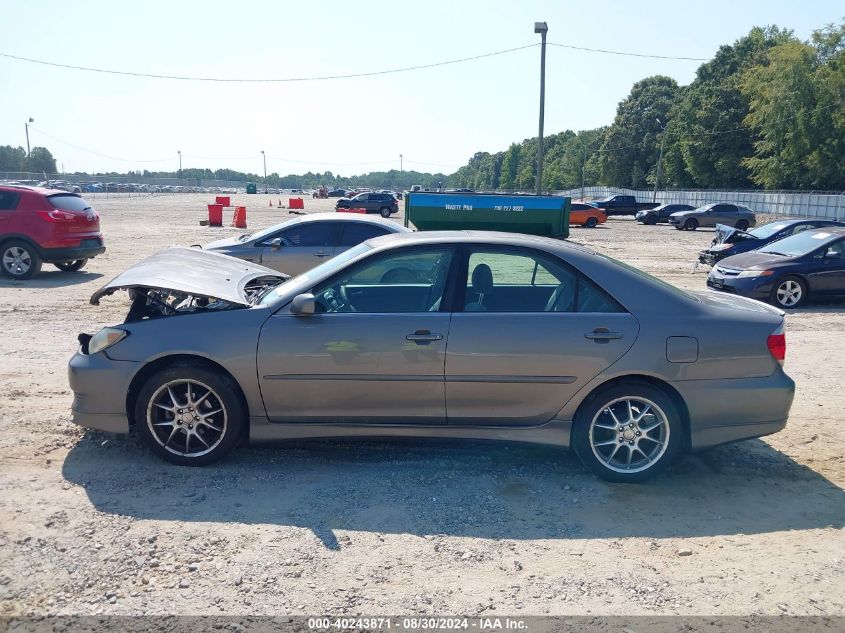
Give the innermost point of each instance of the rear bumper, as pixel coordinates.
(88, 248)
(722, 411)
(99, 386)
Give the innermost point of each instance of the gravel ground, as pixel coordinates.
(94, 524)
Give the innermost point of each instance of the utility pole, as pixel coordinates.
(401, 170)
(541, 28)
(264, 157)
(26, 126)
(583, 164)
(659, 161)
(179, 151)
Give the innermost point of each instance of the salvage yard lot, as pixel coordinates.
(92, 523)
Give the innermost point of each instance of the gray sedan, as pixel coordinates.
(303, 242)
(710, 215)
(495, 336)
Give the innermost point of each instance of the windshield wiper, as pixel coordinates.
(775, 253)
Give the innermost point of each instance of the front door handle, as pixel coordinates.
(322, 254)
(421, 337)
(602, 334)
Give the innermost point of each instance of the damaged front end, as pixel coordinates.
(723, 244)
(181, 281)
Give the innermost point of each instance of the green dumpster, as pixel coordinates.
(535, 215)
(251, 188)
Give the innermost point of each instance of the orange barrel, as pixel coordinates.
(296, 203)
(226, 201)
(239, 218)
(215, 215)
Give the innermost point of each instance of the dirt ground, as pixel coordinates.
(95, 524)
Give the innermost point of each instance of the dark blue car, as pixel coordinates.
(787, 272)
(731, 241)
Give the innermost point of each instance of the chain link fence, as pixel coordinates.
(828, 205)
(124, 184)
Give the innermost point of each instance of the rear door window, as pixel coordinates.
(357, 232)
(9, 200)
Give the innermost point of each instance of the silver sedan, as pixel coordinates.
(478, 335)
(305, 241)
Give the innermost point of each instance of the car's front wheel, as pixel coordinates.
(190, 415)
(691, 224)
(789, 292)
(628, 432)
(20, 260)
(650, 220)
(71, 266)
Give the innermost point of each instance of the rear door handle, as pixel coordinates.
(602, 334)
(423, 336)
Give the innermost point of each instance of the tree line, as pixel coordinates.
(768, 111)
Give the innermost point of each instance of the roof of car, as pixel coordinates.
(42, 190)
(348, 217)
(496, 237)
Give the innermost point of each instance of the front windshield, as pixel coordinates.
(265, 233)
(306, 280)
(800, 244)
(767, 230)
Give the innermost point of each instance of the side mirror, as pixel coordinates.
(303, 305)
(276, 244)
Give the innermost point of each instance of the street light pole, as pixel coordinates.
(401, 170)
(179, 151)
(541, 28)
(264, 157)
(26, 125)
(659, 161)
(583, 165)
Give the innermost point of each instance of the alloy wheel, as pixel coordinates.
(789, 293)
(17, 261)
(629, 434)
(187, 418)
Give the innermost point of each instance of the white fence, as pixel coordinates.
(804, 204)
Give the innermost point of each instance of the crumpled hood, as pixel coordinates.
(192, 271)
(729, 235)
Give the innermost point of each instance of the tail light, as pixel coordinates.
(777, 344)
(54, 215)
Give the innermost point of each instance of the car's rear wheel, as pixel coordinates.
(189, 415)
(789, 292)
(385, 212)
(628, 432)
(742, 225)
(691, 224)
(20, 260)
(591, 223)
(72, 266)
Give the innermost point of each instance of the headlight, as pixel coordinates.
(105, 338)
(721, 247)
(756, 273)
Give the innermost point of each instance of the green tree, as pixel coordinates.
(11, 158)
(40, 160)
(510, 168)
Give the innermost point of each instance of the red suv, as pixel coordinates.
(46, 225)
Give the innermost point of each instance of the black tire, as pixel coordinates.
(385, 212)
(691, 224)
(789, 292)
(679, 227)
(221, 430)
(742, 225)
(650, 220)
(70, 267)
(591, 223)
(661, 408)
(19, 259)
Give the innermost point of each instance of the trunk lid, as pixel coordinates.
(193, 272)
(735, 302)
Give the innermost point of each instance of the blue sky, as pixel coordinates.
(436, 117)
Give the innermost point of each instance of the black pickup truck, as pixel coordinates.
(622, 205)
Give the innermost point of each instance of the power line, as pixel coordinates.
(627, 53)
(264, 80)
(91, 151)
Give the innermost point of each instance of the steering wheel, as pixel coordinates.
(345, 299)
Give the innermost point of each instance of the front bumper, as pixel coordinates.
(759, 288)
(99, 386)
(722, 411)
